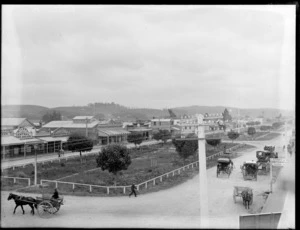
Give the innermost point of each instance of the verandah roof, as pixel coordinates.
(112, 132)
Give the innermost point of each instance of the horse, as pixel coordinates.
(23, 200)
(247, 197)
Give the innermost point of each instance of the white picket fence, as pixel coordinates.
(145, 183)
(17, 178)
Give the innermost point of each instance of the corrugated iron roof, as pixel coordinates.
(11, 140)
(69, 124)
(111, 132)
(49, 139)
(83, 117)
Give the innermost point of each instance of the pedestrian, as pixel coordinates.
(133, 187)
(58, 153)
(62, 152)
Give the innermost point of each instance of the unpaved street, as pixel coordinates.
(177, 207)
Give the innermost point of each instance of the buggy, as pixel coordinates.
(224, 165)
(47, 205)
(249, 170)
(269, 148)
(263, 160)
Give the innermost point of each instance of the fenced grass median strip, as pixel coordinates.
(163, 179)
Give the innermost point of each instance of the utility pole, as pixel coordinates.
(86, 129)
(204, 218)
(35, 166)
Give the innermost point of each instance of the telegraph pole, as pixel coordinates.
(86, 129)
(204, 218)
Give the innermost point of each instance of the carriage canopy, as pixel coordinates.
(224, 160)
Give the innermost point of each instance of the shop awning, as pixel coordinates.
(112, 132)
(11, 140)
(140, 130)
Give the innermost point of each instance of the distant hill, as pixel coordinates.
(267, 112)
(112, 110)
(33, 112)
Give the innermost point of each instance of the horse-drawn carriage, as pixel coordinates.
(48, 206)
(224, 165)
(249, 170)
(269, 148)
(263, 158)
(245, 193)
(45, 205)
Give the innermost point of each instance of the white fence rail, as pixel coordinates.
(153, 180)
(17, 178)
(90, 186)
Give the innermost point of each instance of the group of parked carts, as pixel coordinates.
(249, 169)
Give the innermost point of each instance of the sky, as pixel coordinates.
(149, 56)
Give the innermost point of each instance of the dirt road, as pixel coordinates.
(177, 207)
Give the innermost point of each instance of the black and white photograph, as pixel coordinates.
(148, 116)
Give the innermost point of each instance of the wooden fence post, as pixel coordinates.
(56, 184)
(73, 187)
(154, 182)
(138, 187)
(146, 185)
(161, 179)
(14, 180)
(28, 181)
(13, 167)
(90, 188)
(107, 190)
(124, 190)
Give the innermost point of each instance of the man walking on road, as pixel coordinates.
(133, 187)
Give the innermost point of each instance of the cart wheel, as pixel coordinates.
(55, 209)
(45, 209)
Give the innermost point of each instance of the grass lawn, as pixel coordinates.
(270, 136)
(139, 171)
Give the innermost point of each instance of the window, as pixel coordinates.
(154, 123)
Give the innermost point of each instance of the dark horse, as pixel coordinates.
(247, 197)
(23, 200)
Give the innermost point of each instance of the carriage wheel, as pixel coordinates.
(45, 209)
(56, 209)
(229, 172)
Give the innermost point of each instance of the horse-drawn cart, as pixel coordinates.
(45, 205)
(249, 170)
(245, 193)
(48, 206)
(224, 166)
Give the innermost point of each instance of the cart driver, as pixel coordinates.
(55, 194)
